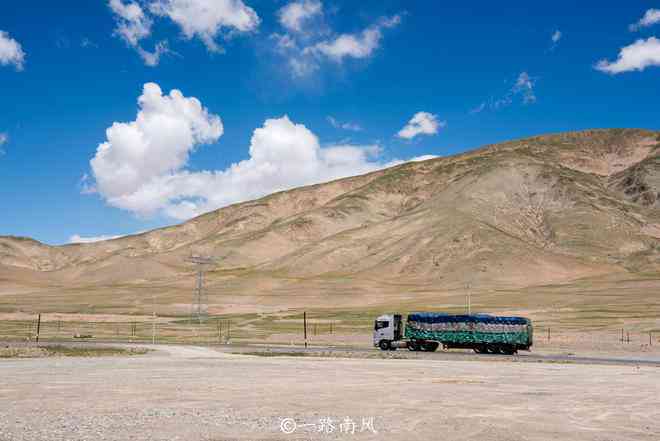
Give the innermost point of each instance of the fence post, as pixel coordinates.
(305, 327)
(548, 334)
(38, 327)
(628, 337)
(650, 338)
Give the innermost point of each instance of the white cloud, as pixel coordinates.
(86, 184)
(91, 239)
(87, 43)
(294, 14)
(305, 48)
(11, 52)
(556, 36)
(196, 18)
(522, 88)
(422, 123)
(343, 125)
(156, 144)
(525, 87)
(422, 158)
(360, 45)
(650, 18)
(153, 58)
(142, 165)
(637, 56)
(206, 18)
(133, 25)
(3, 140)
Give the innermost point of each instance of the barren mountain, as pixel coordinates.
(548, 209)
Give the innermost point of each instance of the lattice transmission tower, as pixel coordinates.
(199, 307)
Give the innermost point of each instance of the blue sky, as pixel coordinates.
(349, 76)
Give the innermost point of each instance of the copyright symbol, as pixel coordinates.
(288, 425)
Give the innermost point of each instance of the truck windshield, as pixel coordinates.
(381, 324)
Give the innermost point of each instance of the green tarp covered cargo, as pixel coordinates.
(469, 330)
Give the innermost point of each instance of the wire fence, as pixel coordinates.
(211, 330)
(293, 329)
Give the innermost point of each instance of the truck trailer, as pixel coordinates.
(426, 331)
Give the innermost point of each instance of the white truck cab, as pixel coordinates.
(387, 331)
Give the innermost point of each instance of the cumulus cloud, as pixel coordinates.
(422, 123)
(11, 52)
(293, 15)
(343, 125)
(157, 144)
(141, 167)
(650, 18)
(637, 56)
(204, 19)
(91, 239)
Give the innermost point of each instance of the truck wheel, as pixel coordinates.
(480, 349)
(384, 345)
(493, 349)
(508, 350)
(430, 347)
(412, 346)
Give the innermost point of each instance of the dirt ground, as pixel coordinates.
(192, 393)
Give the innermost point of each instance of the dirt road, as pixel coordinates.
(192, 393)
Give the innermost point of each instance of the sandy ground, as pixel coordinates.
(191, 393)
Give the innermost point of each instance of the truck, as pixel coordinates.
(426, 331)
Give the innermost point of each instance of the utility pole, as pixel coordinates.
(153, 327)
(468, 300)
(199, 304)
(38, 327)
(305, 326)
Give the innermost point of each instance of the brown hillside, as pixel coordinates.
(548, 209)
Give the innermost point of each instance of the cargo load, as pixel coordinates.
(425, 331)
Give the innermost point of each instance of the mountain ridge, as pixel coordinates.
(544, 209)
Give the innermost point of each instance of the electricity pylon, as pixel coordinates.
(199, 307)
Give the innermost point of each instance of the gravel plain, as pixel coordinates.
(196, 393)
